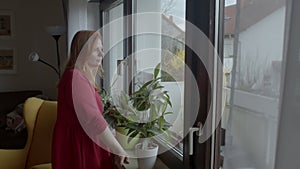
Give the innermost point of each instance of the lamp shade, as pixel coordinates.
(33, 56)
(56, 30)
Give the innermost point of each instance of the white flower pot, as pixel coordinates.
(146, 158)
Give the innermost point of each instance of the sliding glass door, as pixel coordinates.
(253, 59)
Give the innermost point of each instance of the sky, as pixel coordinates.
(230, 2)
(179, 10)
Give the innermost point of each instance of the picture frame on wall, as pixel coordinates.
(7, 61)
(6, 24)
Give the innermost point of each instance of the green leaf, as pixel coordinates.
(160, 123)
(132, 136)
(143, 87)
(154, 131)
(169, 102)
(156, 70)
(164, 107)
(158, 87)
(168, 113)
(153, 113)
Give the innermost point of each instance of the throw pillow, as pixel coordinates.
(15, 122)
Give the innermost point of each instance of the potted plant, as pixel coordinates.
(117, 121)
(145, 112)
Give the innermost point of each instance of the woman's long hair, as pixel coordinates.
(84, 40)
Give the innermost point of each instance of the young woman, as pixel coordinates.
(82, 138)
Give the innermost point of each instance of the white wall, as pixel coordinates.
(265, 38)
(93, 16)
(260, 45)
(82, 16)
(31, 19)
(254, 118)
(148, 47)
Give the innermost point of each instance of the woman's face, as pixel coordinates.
(96, 56)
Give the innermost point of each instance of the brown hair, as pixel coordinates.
(78, 42)
(80, 38)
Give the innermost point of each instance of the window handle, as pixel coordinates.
(191, 138)
(120, 67)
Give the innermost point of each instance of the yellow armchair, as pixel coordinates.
(40, 117)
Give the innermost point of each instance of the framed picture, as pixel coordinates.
(7, 61)
(6, 24)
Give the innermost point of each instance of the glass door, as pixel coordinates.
(253, 59)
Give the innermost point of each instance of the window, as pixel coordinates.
(162, 41)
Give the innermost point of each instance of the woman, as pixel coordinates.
(82, 139)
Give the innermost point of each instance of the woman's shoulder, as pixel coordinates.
(69, 73)
(74, 76)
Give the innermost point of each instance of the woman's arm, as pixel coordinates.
(109, 140)
(91, 118)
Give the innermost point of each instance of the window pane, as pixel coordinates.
(172, 61)
(253, 51)
(112, 43)
(163, 44)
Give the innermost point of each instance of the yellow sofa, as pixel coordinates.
(40, 117)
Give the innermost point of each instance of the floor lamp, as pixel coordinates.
(56, 32)
(34, 56)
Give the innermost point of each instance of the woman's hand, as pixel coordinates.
(120, 155)
(120, 160)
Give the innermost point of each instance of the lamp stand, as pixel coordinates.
(56, 37)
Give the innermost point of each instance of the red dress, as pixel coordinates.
(72, 147)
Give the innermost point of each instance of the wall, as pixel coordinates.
(93, 20)
(31, 19)
(81, 16)
(252, 126)
(261, 45)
